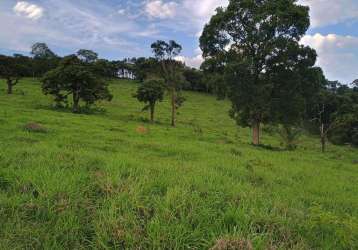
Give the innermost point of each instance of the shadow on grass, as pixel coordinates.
(15, 92)
(270, 147)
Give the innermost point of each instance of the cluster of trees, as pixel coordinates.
(270, 78)
(252, 57)
(81, 76)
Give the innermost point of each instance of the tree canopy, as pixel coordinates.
(257, 42)
(71, 77)
(11, 70)
(87, 56)
(150, 92)
(171, 71)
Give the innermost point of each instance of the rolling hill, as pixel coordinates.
(112, 180)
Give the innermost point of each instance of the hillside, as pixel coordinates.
(112, 180)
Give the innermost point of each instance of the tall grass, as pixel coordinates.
(112, 180)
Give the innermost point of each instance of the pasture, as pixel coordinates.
(112, 180)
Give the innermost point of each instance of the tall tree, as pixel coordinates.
(258, 43)
(10, 70)
(44, 59)
(150, 92)
(71, 77)
(87, 56)
(41, 50)
(171, 71)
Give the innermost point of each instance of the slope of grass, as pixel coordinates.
(111, 180)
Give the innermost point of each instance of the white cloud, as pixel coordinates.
(28, 10)
(200, 12)
(337, 55)
(194, 62)
(159, 9)
(327, 12)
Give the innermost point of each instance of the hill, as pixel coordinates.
(112, 180)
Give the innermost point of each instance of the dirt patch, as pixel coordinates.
(142, 130)
(35, 127)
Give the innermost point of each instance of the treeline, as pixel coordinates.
(252, 50)
(43, 59)
(253, 57)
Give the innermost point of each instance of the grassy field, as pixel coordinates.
(111, 180)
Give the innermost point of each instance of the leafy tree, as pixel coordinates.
(150, 92)
(10, 71)
(41, 50)
(25, 64)
(334, 112)
(325, 114)
(102, 68)
(257, 42)
(195, 80)
(43, 59)
(74, 78)
(214, 77)
(171, 71)
(145, 68)
(87, 56)
(355, 83)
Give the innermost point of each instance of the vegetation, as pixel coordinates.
(170, 71)
(71, 77)
(9, 70)
(265, 65)
(112, 180)
(151, 92)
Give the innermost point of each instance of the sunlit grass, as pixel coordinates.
(113, 180)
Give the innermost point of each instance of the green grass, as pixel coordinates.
(112, 181)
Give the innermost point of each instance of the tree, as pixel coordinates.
(87, 56)
(258, 44)
(171, 71)
(355, 83)
(41, 50)
(74, 78)
(145, 68)
(43, 59)
(150, 92)
(11, 71)
(214, 77)
(195, 80)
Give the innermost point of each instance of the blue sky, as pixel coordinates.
(126, 28)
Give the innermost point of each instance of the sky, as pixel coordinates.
(125, 28)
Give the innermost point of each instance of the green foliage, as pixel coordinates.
(151, 92)
(256, 45)
(98, 182)
(42, 51)
(11, 71)
(87, 56)
(171, 71)
(44, 59)
(146, 68)
(71, 77)
(335, 112)
(290, 136)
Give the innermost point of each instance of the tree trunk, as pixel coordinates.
(76, 101)
(323, 139)
(152, 108)
(9, 87)
(173, 107)
(256, 133)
